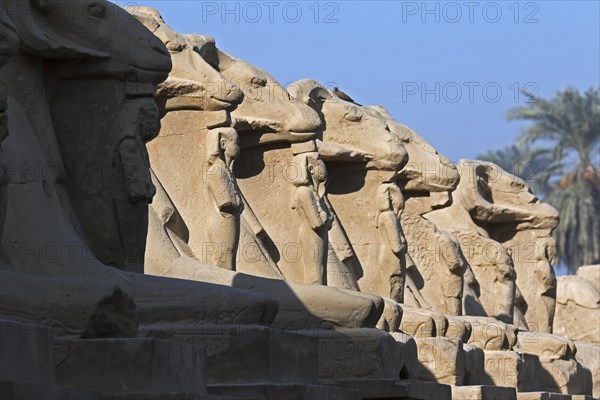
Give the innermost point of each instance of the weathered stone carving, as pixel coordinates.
(443, 360)
(292, 209)
(22, 295)
(591, 273)
(490, 277)
(139, 126)
(577, 315)
(439, 262)
(367, 247)
(300, 306)
(180, 243)
(426, 181)
(493, 271)
(589, 355)
(505, 208)
(558, 367)
(54, 208)
(278, 156)
(426, 169)
(223, 219)
(204, 140)
(363, 194)
(392, 245)
(122, 76)
(314, 215)
(372, 200)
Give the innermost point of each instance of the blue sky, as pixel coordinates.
(450, 70)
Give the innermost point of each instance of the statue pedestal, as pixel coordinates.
(284, 392)
(26, 351)
(20, 390)
(443, 360)
(474, 366)
(506, 368)
(357, 354)
(483, 393)
(542, 396)
(589, 356)
(133, 366)
(253, 354)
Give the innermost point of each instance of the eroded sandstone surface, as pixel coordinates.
(169, 231)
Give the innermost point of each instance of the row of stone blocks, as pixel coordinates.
(449, 361)
(220, 362)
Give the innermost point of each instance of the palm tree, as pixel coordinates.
(568, 128)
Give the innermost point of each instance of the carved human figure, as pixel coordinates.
(392, 245)
(493, 275)
(316, 220)
(134, 190)
(545, 255)
(140, 126)
(434, 253)
(223, 219)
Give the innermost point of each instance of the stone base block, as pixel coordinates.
(474, 365)
(419, 390)
(563, 376)
(420, 323)
(542, 396)
(238, 354)
(443, 360)
(375, 389)
(458, 328)
(483, 393)
(581, 397)
(357, 354)
(589, 355)
(410, 367)
(284, 392)
(391, 390)
(166, 396)
(133, 366)
(577, 311)
(26, 353)
(555, 375)
(33, 391)
(507, 369)
(490, 334)
(530, 377)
